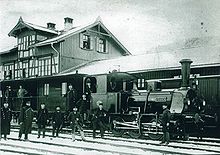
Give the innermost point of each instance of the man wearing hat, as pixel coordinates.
(76, 123)
(99, 117)
(25, 120)
(71, 97)
(165, 123)
(57, 121)
(6, 117)
(42, 119)
(83, 106)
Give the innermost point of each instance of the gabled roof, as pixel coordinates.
(167, 60)
(22, 24)
(80, 29)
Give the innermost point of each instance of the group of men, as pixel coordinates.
(75, 118)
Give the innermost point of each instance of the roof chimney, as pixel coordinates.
(68, 23)
(51, 26)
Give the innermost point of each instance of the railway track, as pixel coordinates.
(145, 145)
(47, 147)
(29, 150)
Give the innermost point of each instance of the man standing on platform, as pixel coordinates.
(6, 117)
(99, 119)
(42, 119)
(165, 123)
(25, 120)
(75, 120)
(71, 98)
(57, 121)
(83, 107)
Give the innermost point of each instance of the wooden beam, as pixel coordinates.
(99, 33)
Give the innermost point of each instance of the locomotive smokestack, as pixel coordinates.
(185, 72)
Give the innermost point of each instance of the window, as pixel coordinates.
(141, 83)
(9, 71)
(46, 89)
(32, 68)
(20, 54)
(64, 88)
(101, 45)
(25, 53)
(44, 67)
(86, 41)
(32, 39)
(19, 43)
(31, 51)
(54, 64)
(25, 69)
(23, 45)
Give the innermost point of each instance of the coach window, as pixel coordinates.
(90, 85)
(46, 89)
(64, 88)
(141, 83)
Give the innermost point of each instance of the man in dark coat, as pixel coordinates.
(25, 120)
(83, 106)
(6, 117)
(165, 123)
(99, 119)
(57, 121)
(75, 120)
(42, 119)
(71, 97)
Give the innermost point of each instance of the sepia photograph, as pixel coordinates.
(109, 77)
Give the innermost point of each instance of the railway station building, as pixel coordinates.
(43, 52)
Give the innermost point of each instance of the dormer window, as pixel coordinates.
(101, 45)
(86, 41)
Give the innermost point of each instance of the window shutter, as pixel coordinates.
(97, 44)
(91, 42)
(106, 46)
(81, 40)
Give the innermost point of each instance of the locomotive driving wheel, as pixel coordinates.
(155, 130)
(135, 133)
(117, 131)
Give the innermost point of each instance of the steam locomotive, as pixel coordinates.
(138, 112)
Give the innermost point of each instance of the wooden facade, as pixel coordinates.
(86, 44)
(35, 66)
